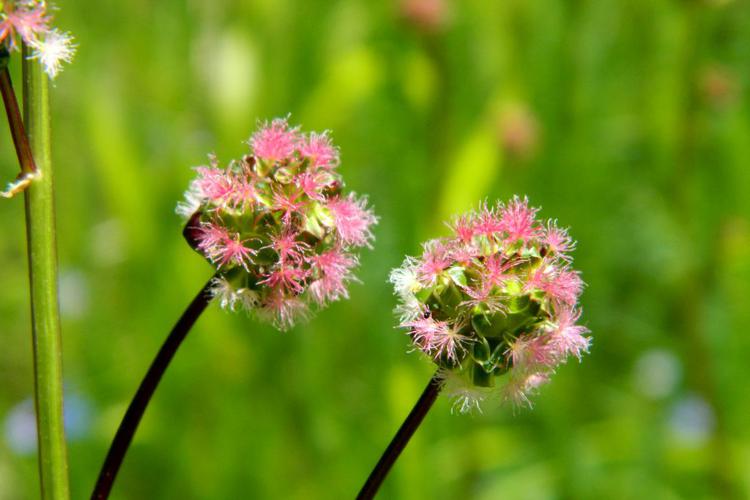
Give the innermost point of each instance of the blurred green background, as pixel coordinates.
(627, 120)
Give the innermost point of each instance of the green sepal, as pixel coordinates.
(481, 350)
(323, 214)
(283, 175)
(448, 296)
(312, 226)
(488, 325)
(263, 167)
(456, 273)
(518, 304)
(480, 377)
(423, 295)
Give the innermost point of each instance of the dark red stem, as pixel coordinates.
(401, 439)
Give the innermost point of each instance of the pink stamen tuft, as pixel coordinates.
(464, 228)
(567, 337)
(275, 142)
(352, 220)
(286, 277)
(214, 184)
(561, 284)
(518, 220)
(487, 222)
(235, 252)
(283, 310)
(531, 352)
(311, 184)
(496, 271)
(319, 149)
(334, 270)
(436, 258)
(289, 204)
(438, 338)
(558, 241)
(211, 238)
(287, 247)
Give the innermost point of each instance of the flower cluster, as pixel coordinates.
(29, 21)
(495, 301)
(277, 225)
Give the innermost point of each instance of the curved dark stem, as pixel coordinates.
(18, 132)
(400, 440)
(142, 397)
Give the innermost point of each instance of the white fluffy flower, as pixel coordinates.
(53, 50)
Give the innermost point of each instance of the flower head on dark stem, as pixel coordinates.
(277, 226)
(494, 303)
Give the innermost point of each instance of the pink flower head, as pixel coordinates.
(319, 149)
(352, 219)
(495, 302)
(275, 142)
(277, 225)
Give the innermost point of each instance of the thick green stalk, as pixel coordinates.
(45, 314)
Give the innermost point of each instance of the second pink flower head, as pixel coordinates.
(496, 303)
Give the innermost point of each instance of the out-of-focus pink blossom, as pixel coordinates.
(28, 21)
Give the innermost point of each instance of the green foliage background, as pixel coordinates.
(634, 131)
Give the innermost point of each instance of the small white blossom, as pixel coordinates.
(53, 50)
(224, 292)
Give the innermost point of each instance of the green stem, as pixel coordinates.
(45, 314)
